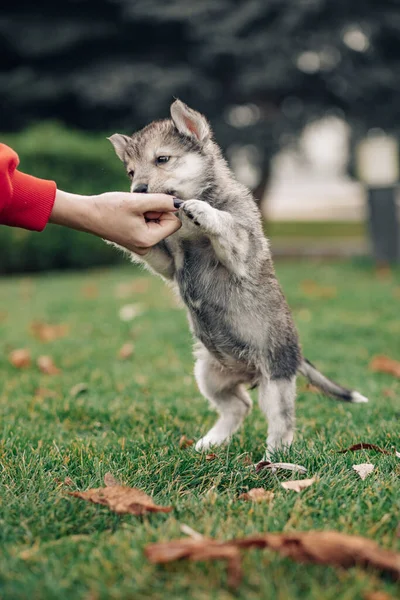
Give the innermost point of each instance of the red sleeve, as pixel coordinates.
(25, 201)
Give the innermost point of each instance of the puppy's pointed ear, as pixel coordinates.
(190, 122)
(120, 143)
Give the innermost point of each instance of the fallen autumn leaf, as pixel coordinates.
(198, 550)
(264, 464)
(257, 495)
(320, 547)
(316, 290)
(211, 456)
(48, 333)
(42, 393)
(126, 351)
(298, 485)
(46, 365)
(364, 446)
(364, 469)
(185, 442)
(121, 499)
(383, 271)
(384, 364)
(378, 595)
(90, 291)
(138, 286)
(20, 358)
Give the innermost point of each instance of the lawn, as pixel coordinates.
(131, 417)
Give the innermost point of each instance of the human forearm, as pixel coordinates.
(74, 211)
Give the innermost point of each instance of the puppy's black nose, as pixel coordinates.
(141, 188)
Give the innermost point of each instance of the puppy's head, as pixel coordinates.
(173, 156)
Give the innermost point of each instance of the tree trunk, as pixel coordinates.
(261, 188)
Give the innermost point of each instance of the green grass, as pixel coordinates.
(130, 421)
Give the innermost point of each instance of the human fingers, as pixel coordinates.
(152, 215)
(154, 203)
(165, 226)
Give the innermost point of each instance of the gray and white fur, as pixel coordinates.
(221, 263)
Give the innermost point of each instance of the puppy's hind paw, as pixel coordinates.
(203, 445)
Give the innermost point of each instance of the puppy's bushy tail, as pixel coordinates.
(327, 386)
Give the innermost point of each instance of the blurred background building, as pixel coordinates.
(291, 88)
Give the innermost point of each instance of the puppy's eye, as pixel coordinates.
(131, 174)
(160, 160)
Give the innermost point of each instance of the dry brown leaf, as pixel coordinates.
(48, 333)
(383, 271)
(298, 485)
(90, 291)
(68, 481)
(139, 286)
(265, 464)
(320, 547)
(121, 498)
(211, 456)
(42, 393)
(377, 595)
(305, 386)
(364, 469)
(46, 365)
(257, 495)
(20, 358)
(364, 446)
(315, 290)
(198, 550)
(126, 351)
(312, 388)
(185, 442)
(384, 364)
(329, 547)
(78, 388)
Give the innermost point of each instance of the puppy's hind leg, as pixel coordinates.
(277, 401)
(228, 396)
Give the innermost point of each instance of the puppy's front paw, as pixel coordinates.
(201, 214)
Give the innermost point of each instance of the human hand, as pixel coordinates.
(135, 221)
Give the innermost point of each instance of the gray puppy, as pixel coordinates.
(221, 263)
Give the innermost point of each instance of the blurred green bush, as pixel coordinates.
(79, 162)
